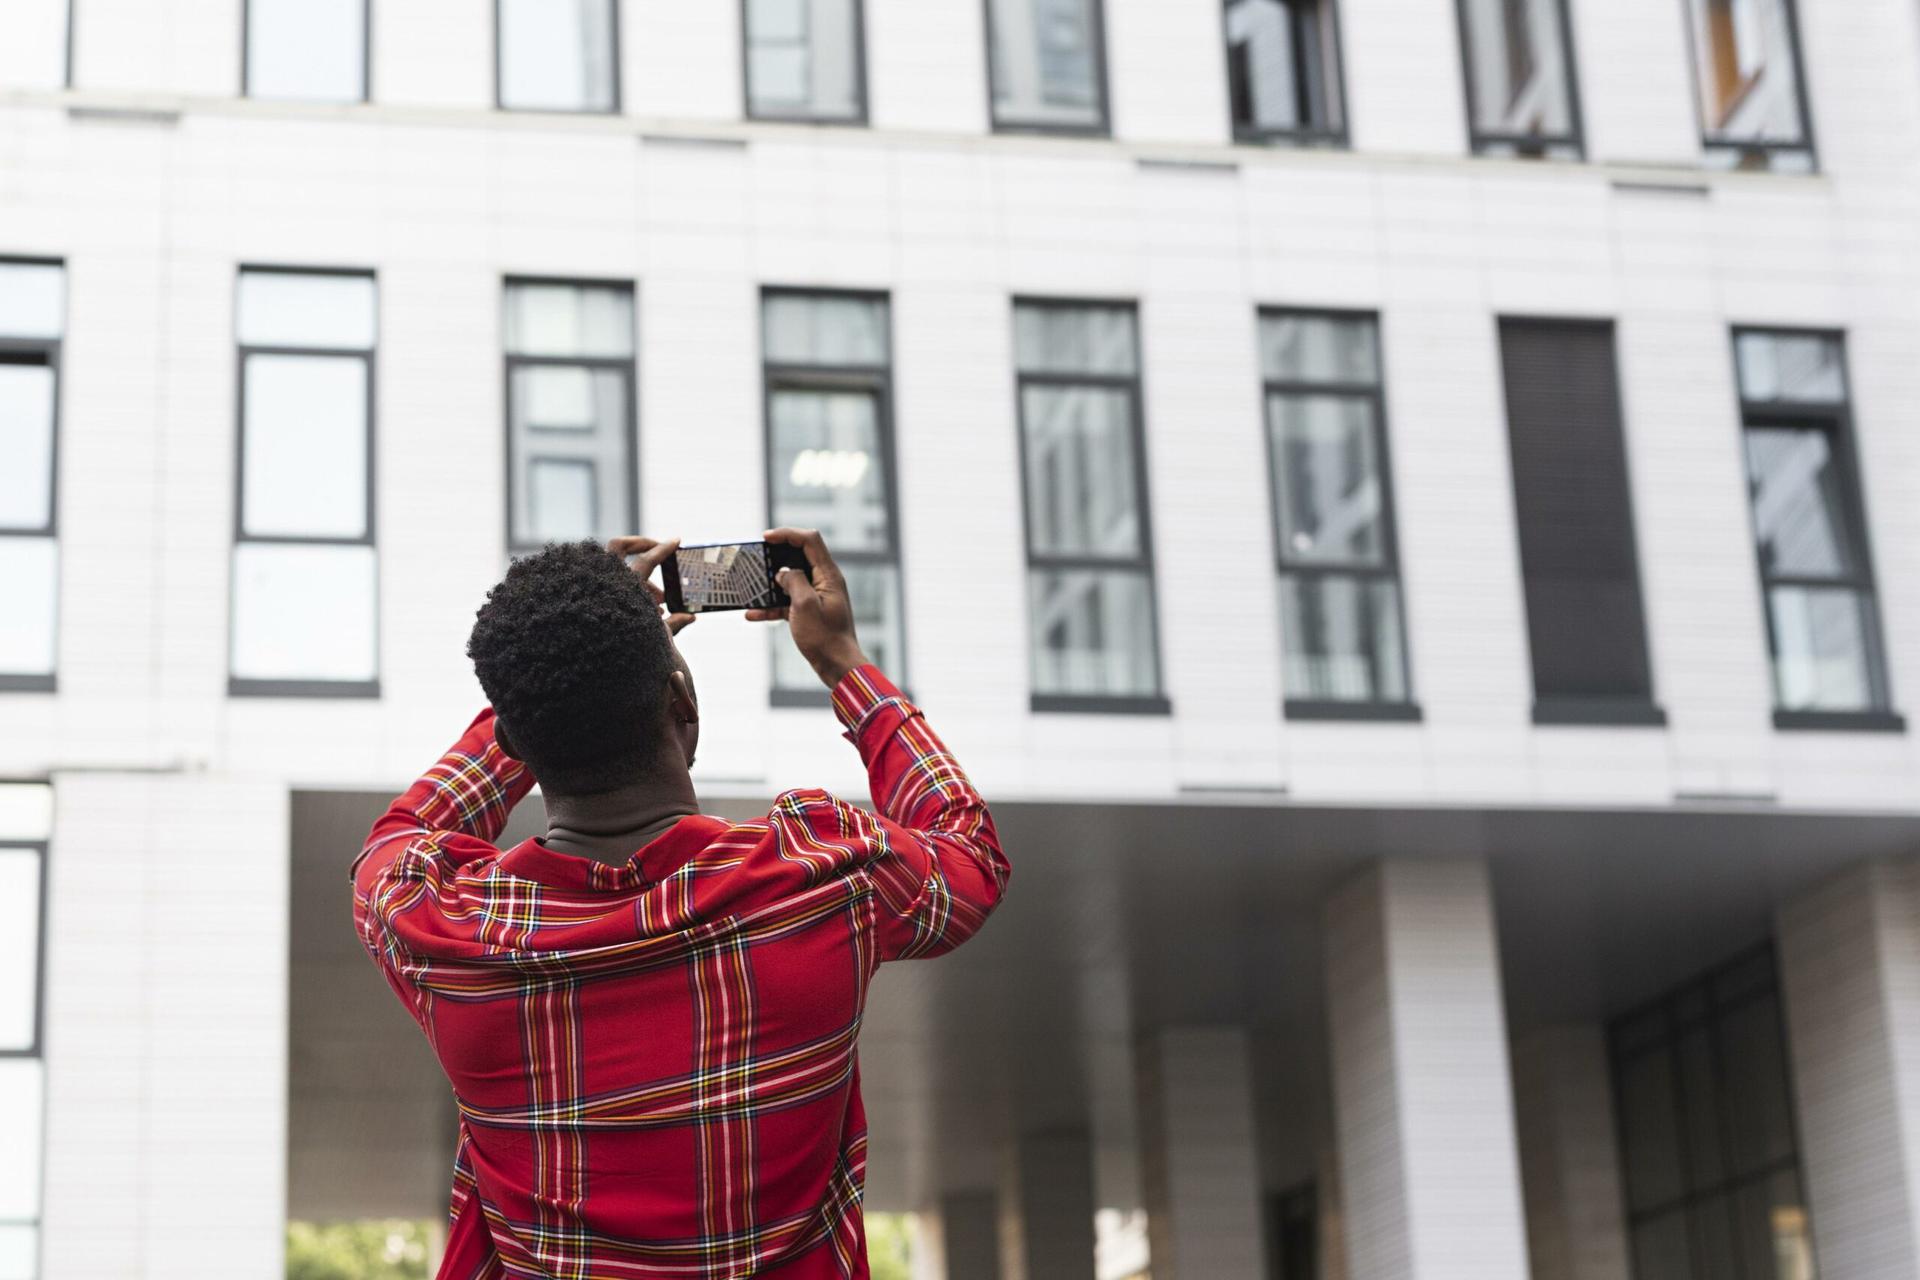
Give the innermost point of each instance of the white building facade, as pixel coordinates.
(1406, 507)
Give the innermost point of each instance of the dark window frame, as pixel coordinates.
(1390, 568)
(1134, 384)
(1810, 146)
(1526, 146)
(861, 117)
(1836, 420)
(1103, 128)
(876, 380)
(626, 366)
(73, 11)
(1336, 137)
(246, 54)
(36, 1051)
(614, 108)
(252, 687)
(1677, 1025)
(1572, 710)
(48, 353)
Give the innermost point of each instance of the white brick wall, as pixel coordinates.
(1198, 1155)
(1429, 1175)
(1850, 968)
(166, 1046)
(1563, 1112)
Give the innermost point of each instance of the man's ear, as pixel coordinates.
(680, 699)
(501, 739)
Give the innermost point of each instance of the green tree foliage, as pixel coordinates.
(373, 1249)
(889, 1246)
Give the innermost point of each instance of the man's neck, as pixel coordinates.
(609, 826)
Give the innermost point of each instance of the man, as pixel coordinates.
(648, 1016)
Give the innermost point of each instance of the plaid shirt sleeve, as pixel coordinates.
(470, 792)
(935, 858)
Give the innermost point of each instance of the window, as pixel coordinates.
(557, 55)
(1810, 527)
(1047, 65)
(570, 395)
(32, 319)
(1706, 1122)
(1090, 594)
(307, 50)
(829, 390)
(26, 819)
(804, 60)
(1521, 99)
(1333, 516)
(1283, 71)
(1577, 555)
(1753, 107)
(305, 577)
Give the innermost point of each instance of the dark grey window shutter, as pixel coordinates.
(1585, 621)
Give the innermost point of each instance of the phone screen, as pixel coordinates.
(728, 575)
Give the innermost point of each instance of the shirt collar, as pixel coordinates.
(653, 862)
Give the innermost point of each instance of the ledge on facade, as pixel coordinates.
(239, 688)
(1102, 704)
(1601, 712)
(28, 684)
(1329, 709)
(1842, 721)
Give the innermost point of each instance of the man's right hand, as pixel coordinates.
(820, 615)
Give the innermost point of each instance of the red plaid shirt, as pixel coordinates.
(655, 1063)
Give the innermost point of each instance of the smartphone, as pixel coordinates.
(729, 575)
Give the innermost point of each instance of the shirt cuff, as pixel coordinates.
(860, 693)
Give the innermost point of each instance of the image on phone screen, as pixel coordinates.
(728, 575)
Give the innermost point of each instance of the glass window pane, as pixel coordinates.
(304, 446)
(312, 50)
(19, 947)
(560, 495)
(19, 1252)
(1081, 489)
(1775, 1235)
(1716, 1255)
(1045, 62)
(874, 590)
(29, 583)
(304, 612)
(569, 320)
(1660, 1250)
(1053, 339)
(1295, 348)
(26, 810)
(557, 55)
(1798, 367)
(827, 471)
(1518, 72)
(803, 59)
(1093, 633)
(32, 300)
(1280, 65)
(26, 442)
(20, 1128)
(1650, 1130)
(1821, 659)
(1799, 503)
(1755, 1091)
(1343, 638)
(1744, 71)
(1327, 479)
(1701, 1106)
(569, 428)
(821, 329)
(295, 309)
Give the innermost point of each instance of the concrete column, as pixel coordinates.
(969, 1232)
(1569, 1154)
(1423, 1105)
(1046, 1209)
(166, 1027)
(1199, 1160)
(1850, 974)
